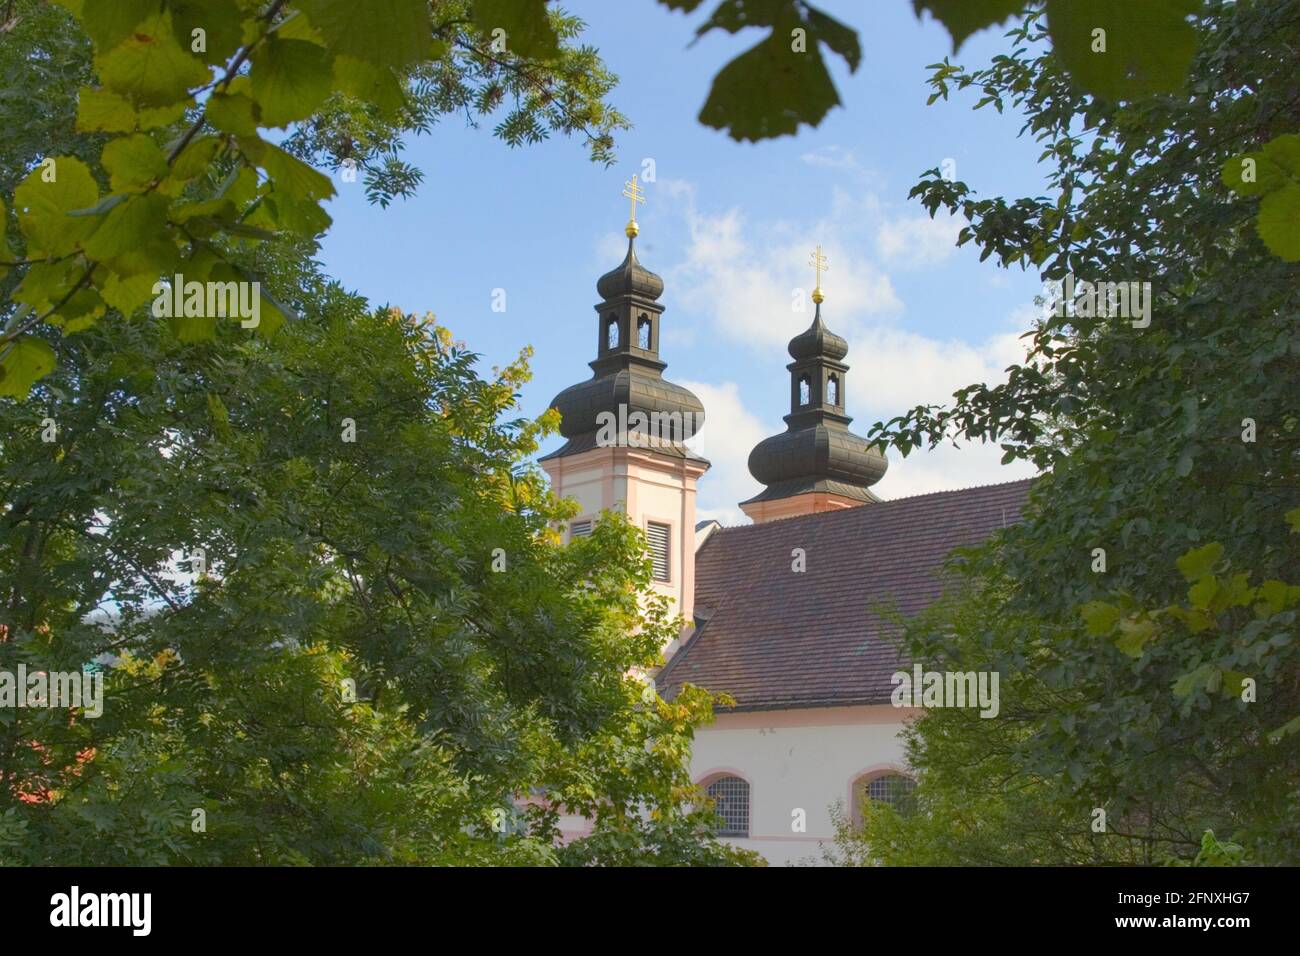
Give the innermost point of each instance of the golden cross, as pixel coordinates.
(818, 262)
(635, 195)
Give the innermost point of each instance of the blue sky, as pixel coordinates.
(730, 227)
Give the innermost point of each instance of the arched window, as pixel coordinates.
(730, 797)
(643, 332)
(887, 789)
(611, 333)
(805, 390)
(833, 389)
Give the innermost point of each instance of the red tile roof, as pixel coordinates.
(776, 639)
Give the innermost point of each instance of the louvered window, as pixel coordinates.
(580, 529)
(659, 535)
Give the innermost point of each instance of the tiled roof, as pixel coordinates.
(776, 639)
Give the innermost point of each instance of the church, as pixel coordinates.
(782, 614)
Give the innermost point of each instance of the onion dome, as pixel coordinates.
(817, 340)
(629, 278)
(627, 387)
(817, 452)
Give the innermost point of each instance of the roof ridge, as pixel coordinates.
(722, 528)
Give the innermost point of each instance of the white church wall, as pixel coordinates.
(798, 760)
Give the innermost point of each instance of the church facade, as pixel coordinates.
(794, 616)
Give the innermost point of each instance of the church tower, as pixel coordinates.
(626, 427)
(816, 464)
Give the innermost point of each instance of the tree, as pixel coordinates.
(1154, 576)
(1108, 47)
(319, 577)
(179, 96)
(184, 87)
(331, 609)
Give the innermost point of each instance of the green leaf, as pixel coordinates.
(1188, 682)
(1251, 174)
(221, 21)
(1236, 591)
(192, 328)
(150, 67)
(366, 81)
(1284, 153)
(1099, 617)
(126, 294)
(1273, 596)
(392, 33)
(1148, 46)
(1293, 520)
(303, 217)
(1278, 223)
(289, 79)
(196, 158)
(769, 90)
(232, 113)
(296, 26)
(290, 174)
(1196, 621)
(44, 283)
(1134, 635)
(218, 208)
(274, 314)
(1233, 682)
(528, 30)
(840, 38)
(1201, 594)
(158, 117)
(24, 361)
(1197, 563)
(109, 24)
(133, 162)
(81, 310)
(43, 206)
(964, 17)
(104, 112)
(135, 223)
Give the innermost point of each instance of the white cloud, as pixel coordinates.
(831, 157)
(754, 281)
(919, 240)
(947, 469)
(611, 247)
(898, 369)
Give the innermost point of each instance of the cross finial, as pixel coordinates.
(635, 194)
(818, 262)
